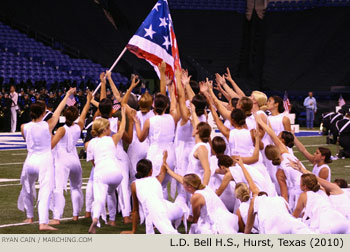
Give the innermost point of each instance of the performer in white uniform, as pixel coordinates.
(278, 121)
(319, 213)
(138, 150)
(107, 172)
(338, 198)
(67, 163)
(210, 216)
(148, 202)
(160, 130)
(272, 213)
(320, 159)
(39, 162)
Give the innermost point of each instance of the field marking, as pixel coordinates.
(35, 222)
(19, 154)
(8, 180)
(12, 163)
(347, 166)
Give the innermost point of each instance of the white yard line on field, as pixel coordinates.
(11, 163)
(35, 222)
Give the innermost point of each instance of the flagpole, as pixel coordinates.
(111, 68)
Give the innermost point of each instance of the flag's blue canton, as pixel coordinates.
(155, 28)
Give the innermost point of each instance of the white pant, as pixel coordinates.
(104, 185)
(13, 119)
(37, 166)
(63, 169)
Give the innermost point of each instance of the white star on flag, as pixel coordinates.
(166, 42)
(162, 22)
(149, 32)
(156, 6)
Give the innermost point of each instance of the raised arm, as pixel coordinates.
(223, 129)
(82, 117)
(221, 82)
(57, 137)
(303, 150)
(205, 88)
(255, 157)
(56, 115)
(332, 188)
(162, 68)
(268, 130)
(228, 77)
(134, 82)
(103, 86)
(255, 190)
(141, 134)
(115, 90)
(117, 136)
(251, 217)
(176, 176)
(173, 104)
(184, 112)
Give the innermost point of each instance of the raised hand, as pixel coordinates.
(162, 67)
(135, 81)
(103, 77)
(71, 91)
(89, 96)
(219, 79)
(108, 75)
(184, 77)
(228, 75)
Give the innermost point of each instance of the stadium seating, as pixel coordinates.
(23, 58)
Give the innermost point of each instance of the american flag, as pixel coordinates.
(286, 103)
(71, 100)
(341, 101)
(155, 40)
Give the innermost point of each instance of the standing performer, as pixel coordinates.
(67, 163)
(39, 162)
(136, 149)
(101, 150)
(278, 120)
(160, 129)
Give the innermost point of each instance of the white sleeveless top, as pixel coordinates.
(68, 142)
(194, 164)
(142, 118)
(101, 149)
(162, 129)
(341, 202)
(150, 195)
(241, 143)
(37, 136)
(250, 121)
(293, 176)
(243, 209)
(214, 216)
(266, 207)
(316, 170)
(276, 123)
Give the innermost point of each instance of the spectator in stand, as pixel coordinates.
(311, 107)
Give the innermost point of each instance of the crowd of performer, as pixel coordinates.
(245, 180)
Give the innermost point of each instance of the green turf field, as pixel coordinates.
(11, 166)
